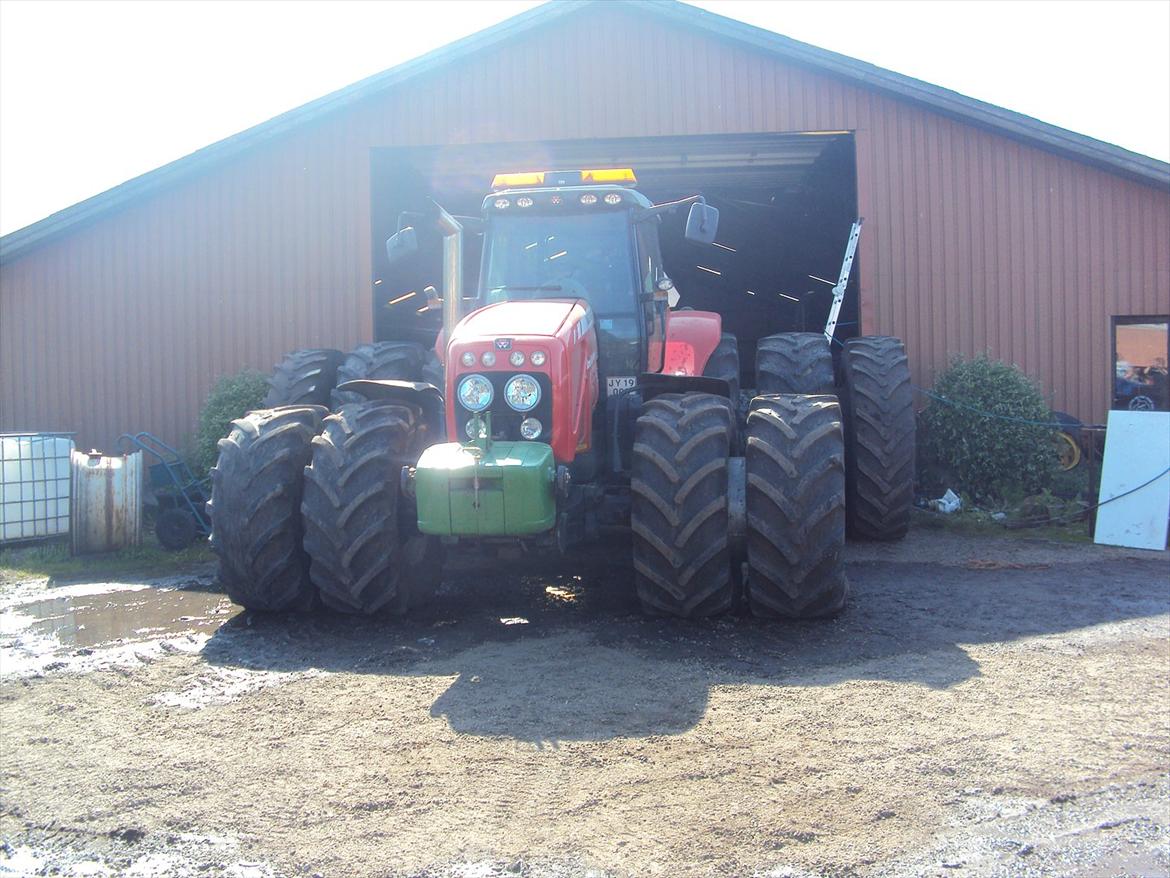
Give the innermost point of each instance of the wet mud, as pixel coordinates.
(979, 709)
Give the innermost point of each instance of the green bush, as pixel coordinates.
(230, 398)
(990, 458)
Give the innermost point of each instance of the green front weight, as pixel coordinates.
(505, 489)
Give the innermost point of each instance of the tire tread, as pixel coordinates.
(794, 362)
(679, 511)
(878, 401)
(795, 506)
(256, 487)
(304, 377)
(351, 508)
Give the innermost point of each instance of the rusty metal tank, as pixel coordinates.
(106, 512)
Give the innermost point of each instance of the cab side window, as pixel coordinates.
(649, 256)
(653, 307)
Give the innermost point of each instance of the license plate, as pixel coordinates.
(619, 383)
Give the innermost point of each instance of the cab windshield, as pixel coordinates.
(551, 257)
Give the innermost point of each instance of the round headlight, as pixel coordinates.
(517, 358)
(524, 201)
(613, 198)
(468, 358)
(538, 358)
(522, 392)
(502, 203)
(488, 358)
(476, 428)
(475, 393)
(530, 428)
(588, 198)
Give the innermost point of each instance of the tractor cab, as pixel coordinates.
(586, 235)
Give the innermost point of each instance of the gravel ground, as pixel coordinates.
(983, 707)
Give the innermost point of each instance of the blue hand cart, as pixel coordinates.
(182, 497)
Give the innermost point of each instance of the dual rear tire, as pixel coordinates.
(877, 409)
(310, 377)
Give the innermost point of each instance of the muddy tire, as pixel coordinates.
(387, 360)
(255, 508)
(679, 515)
(303, 378)
(794, 362)
(877, 400)
(358, 534)
(795, 507)
(724, 363)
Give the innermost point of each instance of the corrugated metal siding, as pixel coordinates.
(972, 241)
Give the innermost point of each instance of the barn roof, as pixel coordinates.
(1006, 122)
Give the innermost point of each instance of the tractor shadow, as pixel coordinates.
(540, 655)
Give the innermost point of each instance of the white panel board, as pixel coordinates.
(1137, 448)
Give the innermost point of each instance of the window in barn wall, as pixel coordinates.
(1141, 352)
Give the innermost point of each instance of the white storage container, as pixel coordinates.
(34, 485)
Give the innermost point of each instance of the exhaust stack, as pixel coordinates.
(452, 270)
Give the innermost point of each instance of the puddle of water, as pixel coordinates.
(100, 619)
(82, 627)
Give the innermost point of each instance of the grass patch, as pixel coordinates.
(980, 523)
(52, 560)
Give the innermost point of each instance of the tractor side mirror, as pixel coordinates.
(702, 223)
(401, 244)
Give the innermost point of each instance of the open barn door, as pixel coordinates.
(787, 203)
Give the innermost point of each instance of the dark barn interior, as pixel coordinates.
(786, 205)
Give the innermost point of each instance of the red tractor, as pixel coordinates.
(566, 398)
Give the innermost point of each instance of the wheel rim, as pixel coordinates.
(1068, 451)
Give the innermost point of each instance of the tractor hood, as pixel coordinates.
(537, 317)
(552, 342)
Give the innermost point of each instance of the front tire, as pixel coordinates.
(255, 508)
(364, 557)
(795, 507)
(679, 513)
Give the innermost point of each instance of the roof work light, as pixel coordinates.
(563, 178)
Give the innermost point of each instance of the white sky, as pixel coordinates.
(93, 93)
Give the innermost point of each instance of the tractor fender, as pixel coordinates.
(426, 397)
(691, 338)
